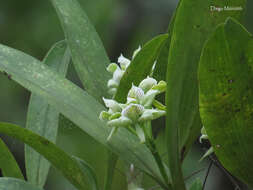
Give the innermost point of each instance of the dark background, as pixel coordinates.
(33, 27)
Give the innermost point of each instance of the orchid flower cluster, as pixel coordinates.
(138, 108)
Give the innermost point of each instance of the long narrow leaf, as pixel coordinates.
(77, 105)
(69, 167)
(89, 171)
(89, 56)
(16, 184)
(8, 164)
(42, 118)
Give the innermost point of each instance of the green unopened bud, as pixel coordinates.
(104, 116)
(133, 111)
(115, 116)
(136, 93)
(161, 86)
(151, 114)
(147, 84)
(112, 67)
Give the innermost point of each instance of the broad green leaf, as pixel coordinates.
(76, 105)
(226, 97)
(16, 184)
(196, 185)
(140, 67)
(88, 54)
(42, 118)
(89, 171)
(194, 22)
(8, 164)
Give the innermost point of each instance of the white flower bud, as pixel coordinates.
(147, 84)
(136, 52)
(112, 84)
(112, 105)
(124, 62)
(112, 91)
(151, 114)
(133, 111)
(112, 67)
(136, 93)
(117, 75)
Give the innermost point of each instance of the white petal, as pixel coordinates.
(135, 92)
(112, 105)
(136, 52)
(117, 75)
(120, 122)
(112, 84)
(148, 98)
(112, 91)
(124, 62)
(147, 84)
(151, 114)
(133, 111)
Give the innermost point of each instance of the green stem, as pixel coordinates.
(152, 147)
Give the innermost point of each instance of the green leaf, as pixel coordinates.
(88, 54)
(196, 185)
(59, 159)
(76, 105)
(16, 184)
(89, 171)
(226, 97)
(140, 67)
(193, 24)
(8, 164)
(43, 118)
(112, 162)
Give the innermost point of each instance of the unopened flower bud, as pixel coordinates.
(124, 62)
(147, 84)
(112, 67)
(112, 105)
